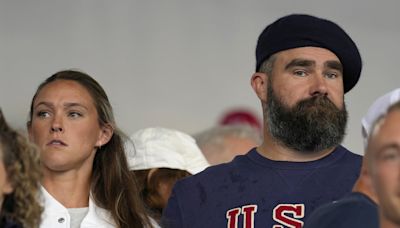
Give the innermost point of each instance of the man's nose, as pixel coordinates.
(318, 85)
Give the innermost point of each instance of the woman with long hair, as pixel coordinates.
(86, 180)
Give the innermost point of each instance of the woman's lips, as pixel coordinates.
(56, 143)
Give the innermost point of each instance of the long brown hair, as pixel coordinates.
(21, 162)
(112, 186)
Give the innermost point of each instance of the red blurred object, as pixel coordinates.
(241, 116)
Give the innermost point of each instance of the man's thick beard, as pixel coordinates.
(312, 125)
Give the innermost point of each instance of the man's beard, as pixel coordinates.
(312, 125)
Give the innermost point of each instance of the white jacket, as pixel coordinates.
(55, 215)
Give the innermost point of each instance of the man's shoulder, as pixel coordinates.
(348, 153)
(239, 170)
(347, 156)
(212, 173)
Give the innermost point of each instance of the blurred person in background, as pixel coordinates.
(220, 144)
(19, 179)
(383, 165)
(241, 116)
(159, 157)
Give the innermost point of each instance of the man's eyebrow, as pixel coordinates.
(389, 146)
(333, 64)
(299, 63)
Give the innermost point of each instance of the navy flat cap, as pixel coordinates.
(299, 30)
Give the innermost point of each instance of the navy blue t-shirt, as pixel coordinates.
(253, 191)
(355, 210)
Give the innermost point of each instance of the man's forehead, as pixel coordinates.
(391, 122)
(387, 130)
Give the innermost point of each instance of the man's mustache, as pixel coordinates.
(321, 101)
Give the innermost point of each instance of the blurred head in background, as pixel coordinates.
(19, 178)
(159, 157)
(221, 144)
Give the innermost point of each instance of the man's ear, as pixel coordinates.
(364, 173)
(259, 83)
(106, 132)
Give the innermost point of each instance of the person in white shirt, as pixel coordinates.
(86, 180)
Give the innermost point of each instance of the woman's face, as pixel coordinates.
(5, 185)
(65, 126)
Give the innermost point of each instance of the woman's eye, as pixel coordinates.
(74, 114)
(42, 114)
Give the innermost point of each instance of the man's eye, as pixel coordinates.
(331, 75)
(390, 155)
(300, 73)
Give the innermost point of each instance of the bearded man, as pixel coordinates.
(304, 67)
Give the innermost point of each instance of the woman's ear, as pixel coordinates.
(259, 83)
(105, 135)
